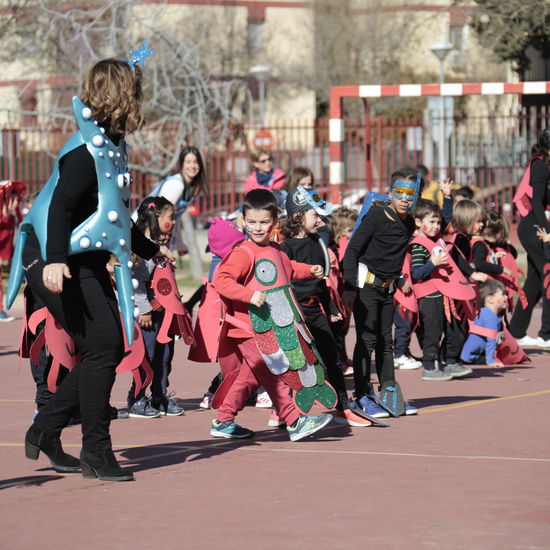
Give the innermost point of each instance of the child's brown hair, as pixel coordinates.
(496, 227)
(425, 207)
(342, 218)
(490, 287)
(465, 214)
(296, 175)
(290, 226)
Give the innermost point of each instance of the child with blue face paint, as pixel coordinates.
(302, 244)
(373, 261)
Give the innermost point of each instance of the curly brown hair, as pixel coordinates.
(115, 95)
(291, 226)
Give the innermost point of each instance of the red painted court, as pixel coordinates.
(471, 471)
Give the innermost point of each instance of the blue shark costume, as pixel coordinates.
(108, 228)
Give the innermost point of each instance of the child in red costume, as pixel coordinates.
(223, 236)
(494, 255)
(432, 272)
(260, 214)
(10, 214)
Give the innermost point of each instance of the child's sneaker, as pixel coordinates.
(348, 418)
(347, 368)
(436, 375)
(527, 341)
(230, 430)
(274, 420)
(542, 343)
(263, 401)
(406, 363)
(307, 425)
(5, 318)
(167, 406)
(206, 402)
(410, 410)
(456, 370)
(142, 409)
(372, 408)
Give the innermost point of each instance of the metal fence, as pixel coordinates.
(486, 153)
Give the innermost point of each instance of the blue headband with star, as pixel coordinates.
(139, 56)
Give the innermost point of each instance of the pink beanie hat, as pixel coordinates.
(223, 235)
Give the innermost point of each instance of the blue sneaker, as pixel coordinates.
(456, 370)
(410, 410)
(142, 409)
(436, 375)
(4, 317)
(307, 425)
(230, 430)
(371, 408)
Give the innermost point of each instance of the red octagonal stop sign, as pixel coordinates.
(263, 138)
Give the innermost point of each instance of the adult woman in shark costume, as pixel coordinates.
(80, 217)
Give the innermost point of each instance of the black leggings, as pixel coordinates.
(533, 285)
(373, 313)
(87, 309)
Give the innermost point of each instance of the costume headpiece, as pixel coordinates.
(409, 190)
(139, 56)
(301, 200)
(223, 235)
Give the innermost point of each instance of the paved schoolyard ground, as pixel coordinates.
(471, 471)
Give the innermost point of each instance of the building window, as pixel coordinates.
(458, 36)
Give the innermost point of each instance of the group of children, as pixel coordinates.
(397, 245)
(279, 298)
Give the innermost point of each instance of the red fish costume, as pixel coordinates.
(280, 333)
(446, 278)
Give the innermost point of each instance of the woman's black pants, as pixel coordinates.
(87, 309)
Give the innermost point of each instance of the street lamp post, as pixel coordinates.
(441, 50)
(261, 74)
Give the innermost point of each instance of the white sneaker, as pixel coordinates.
(406, 363)
(263, 401)
(206, 402)
(542, 343)
(528, 341)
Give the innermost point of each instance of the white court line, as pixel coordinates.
(419, 455)
(231, 445)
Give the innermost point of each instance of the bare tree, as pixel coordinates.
(53, 38)
(54, 43)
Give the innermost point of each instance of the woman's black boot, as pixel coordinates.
(103, 464)
(36, 440)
